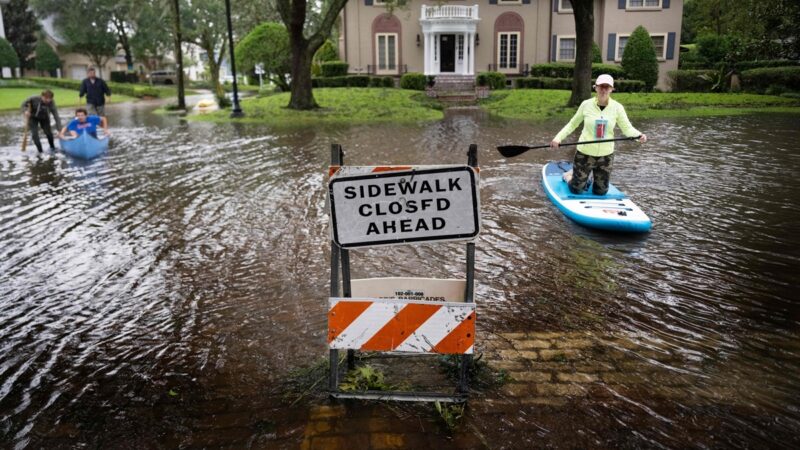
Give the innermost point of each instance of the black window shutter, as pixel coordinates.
(612, 46)
(553, 49)
(526, 2)
(492, 2)
(621, 4)
(555, 5)
(671, 45)
(665, 4)
(368, 2)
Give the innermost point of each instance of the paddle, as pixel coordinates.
(510, 151)
(25, 134)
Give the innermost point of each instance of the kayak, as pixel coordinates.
(84, 146)
(613, 211)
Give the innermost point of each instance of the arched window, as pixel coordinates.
(509, 31)
(386, 44)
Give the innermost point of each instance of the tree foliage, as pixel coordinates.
(758, 29)
(597, 56)
(21, 27)
(8, 57)
(266, 44)
(204, 24)
(46, 58)
(149, 42)
(639, 58)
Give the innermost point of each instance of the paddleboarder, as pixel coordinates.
(599, 116)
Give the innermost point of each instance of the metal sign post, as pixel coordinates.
(393, 205)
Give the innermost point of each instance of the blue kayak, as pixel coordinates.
(613, 211)
(84, 146)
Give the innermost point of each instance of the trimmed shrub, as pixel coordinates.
(326, 52)
(387, 82)
(630, 86)
(543, 83)
(413, 80)
(495, 80)
(334, 68)
(348, 81)
(747, 65)
(46, 58)
(132, 90)
(358, 81)
(563, 70)
(692, 80)
(8, 57)
(773, 80)
(597, 56)
(639, 58)
(713, 48)
(124, 77)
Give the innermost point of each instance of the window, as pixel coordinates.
(386, 52)
(566, 48)
(460, 47)
(508, 52)
(633, 4)
(564, 6)
(659, 42)
(622, 39)
(509, 2)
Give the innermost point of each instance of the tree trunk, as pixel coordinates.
(213, 67)
(583, 11)
(302, 95)
(176, 28)
(122, 35)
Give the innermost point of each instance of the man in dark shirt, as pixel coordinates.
(37, 110)
(95, 90)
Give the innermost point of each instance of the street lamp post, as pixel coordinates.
(237, 111)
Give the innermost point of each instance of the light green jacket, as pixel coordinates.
(589, 113)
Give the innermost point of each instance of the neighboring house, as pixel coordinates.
(464, 38)
(6, 70)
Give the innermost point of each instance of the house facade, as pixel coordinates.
(465, 38)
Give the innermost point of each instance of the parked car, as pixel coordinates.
(163, 77)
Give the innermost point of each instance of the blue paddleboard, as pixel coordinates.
(613, 211)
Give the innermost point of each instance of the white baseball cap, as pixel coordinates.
(604, 79)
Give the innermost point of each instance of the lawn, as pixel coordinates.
(539, 104)
(11, 98)
(340, 105)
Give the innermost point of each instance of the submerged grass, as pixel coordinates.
(541, 104)
(338, 106)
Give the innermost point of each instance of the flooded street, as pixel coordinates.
(161, 295)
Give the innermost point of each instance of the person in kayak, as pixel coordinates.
(84, 123)
(599, 116)
(37, 110)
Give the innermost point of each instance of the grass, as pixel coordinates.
(12, 97)
(338, 106)
(541, 104)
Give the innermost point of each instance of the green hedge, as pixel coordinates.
(771, 80)
(564, 70)
(414, 81)
(566, 84)
(131, 90)
(693, 80)
(747, 65)
(334, 69)
(495, 80)
(387, 82)
(352, 81)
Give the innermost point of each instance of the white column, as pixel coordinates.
(471, 66)
(425, 50)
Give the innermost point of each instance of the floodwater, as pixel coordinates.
(161, 295)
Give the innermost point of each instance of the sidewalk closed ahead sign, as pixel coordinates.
(373, 206)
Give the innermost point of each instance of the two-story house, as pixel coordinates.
(464, 38)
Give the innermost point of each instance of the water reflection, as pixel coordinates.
(157, 295)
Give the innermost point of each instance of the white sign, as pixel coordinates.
(424, 289)
(404, 206)
(259, 69)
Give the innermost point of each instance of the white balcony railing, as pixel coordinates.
(449, 12)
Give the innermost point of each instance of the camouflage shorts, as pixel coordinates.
(583, 165)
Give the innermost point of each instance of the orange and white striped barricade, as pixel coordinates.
(393, 205)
